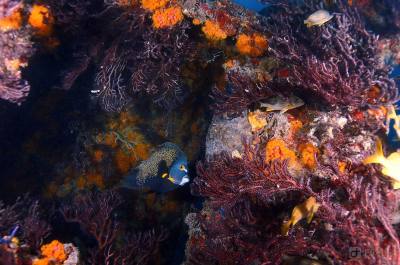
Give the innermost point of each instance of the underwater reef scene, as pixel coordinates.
(199, 132)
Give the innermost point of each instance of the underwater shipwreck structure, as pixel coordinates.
(284, 115)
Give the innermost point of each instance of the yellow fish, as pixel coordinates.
(390, 164)
(303, 210)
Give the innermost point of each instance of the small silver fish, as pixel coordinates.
(318, 18)
(282, 104)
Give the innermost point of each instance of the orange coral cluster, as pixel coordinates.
(53, 254)
(342, 167)
(41, 20)
(213, 31)
(163, 16)
(308, 154)
(252, 45)
(295, 127)
(168, 17)
(11, 22)
(125, 157)
(276, 149)
(152, 5)
(196, 21)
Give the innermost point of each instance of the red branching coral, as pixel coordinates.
(247, 199)
(241, 92)
(337, 62)
(94, 212)
(143, 62)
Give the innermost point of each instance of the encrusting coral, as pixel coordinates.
(213, 32)
(53, 253)
(152, 5)
(41, 19)
(169, 17)
(252, 45)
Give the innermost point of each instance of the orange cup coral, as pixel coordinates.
(154, 4)
(41, 20)
(53, 253)
(165, 18)
(54, 250)
(196, 21)
(213, 31)
(252, 45)
(277, 149)
(308, 154)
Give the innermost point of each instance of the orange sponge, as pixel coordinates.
(165, 18)
(154, 4)
(41, 20)
(252, 45)
(213, 31)
(277, 149)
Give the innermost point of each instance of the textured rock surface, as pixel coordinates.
(226, 134)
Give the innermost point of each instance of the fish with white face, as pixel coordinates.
(166, 169)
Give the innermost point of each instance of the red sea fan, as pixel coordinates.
(337, 62)
(240, 93)
(95, 213)
(142, 61)
(156, 68)
(247, 199)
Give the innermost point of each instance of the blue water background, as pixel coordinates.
(393, 140)
(254, 5)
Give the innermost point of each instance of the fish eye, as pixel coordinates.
(182, 168)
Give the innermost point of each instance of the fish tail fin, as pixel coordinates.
(130, 181)
(377, 156)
